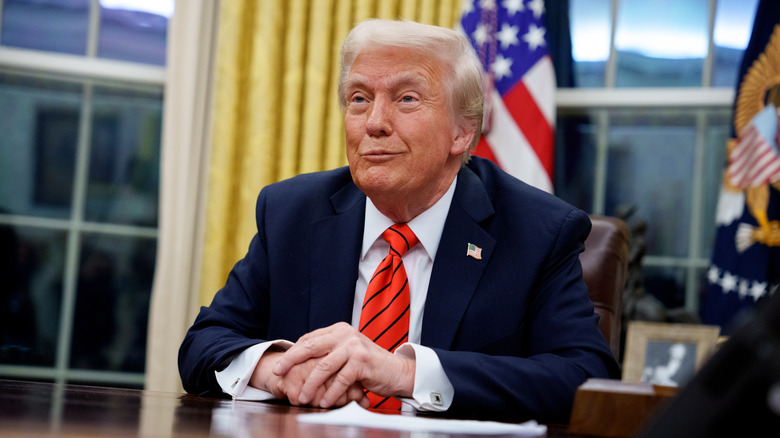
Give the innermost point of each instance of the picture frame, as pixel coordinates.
(666, 354)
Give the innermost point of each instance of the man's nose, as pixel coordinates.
(379, 122)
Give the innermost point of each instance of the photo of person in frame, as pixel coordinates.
(669, 363)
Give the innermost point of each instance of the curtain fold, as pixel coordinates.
(275, 111)
(184, 154)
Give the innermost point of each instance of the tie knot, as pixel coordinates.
(401, 238)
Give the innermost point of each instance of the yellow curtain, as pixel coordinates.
(276, 112)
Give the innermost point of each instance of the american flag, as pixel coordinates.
(518, 132)
(755, 160)
(474, 251)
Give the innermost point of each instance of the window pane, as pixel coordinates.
(575, 158)
(52, 25)
(590, 33)
(650, 163)
(701, 285)
(665, 283)
(718, 132)
(661, 43)
(112, 302)
(39, 122)
(133, 30)
(733, 25)
(31, 268)
(124, 169)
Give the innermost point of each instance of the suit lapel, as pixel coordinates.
(455, 275)
(335, 252)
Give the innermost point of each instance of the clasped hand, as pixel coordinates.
(331, 366)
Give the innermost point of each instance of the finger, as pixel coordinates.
(365, 402)
(358, 394)
(328, 367)
(311, 345)
(355, 393)
(347, 377)
(276, 388)
(291, 390)
(317, 397)
(291, 383)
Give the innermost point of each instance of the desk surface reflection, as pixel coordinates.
(30, 409)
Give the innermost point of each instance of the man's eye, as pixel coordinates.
(407, 99)
(358, 99)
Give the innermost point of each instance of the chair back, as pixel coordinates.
(604, 266)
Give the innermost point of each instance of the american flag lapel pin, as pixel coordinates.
(474, 251)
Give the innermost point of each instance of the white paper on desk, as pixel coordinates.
(354, 415)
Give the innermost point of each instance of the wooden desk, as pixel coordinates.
(30, 409)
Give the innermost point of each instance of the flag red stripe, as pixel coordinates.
(741, 155)
(750, 164)
(744, 155)
(529, 118)
(761, 172)
(768, 173)
(749, 146)
(763, 166)
(753, 162)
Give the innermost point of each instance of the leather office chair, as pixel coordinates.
(604, 265)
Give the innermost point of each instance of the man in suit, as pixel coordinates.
(499, 324)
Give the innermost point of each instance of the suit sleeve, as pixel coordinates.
(560, 345)
(236, 319)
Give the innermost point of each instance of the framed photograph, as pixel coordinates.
(666, 354)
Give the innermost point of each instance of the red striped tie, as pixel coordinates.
(385, 314)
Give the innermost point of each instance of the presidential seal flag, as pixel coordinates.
(510, 38)
(745, 266)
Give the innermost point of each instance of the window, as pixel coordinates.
(81, 92)
(646, 130)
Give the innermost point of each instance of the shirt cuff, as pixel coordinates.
(234, 379)
(432, 389)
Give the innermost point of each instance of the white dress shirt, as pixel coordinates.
(432, 389)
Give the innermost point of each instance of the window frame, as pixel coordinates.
(90, 72)
(700, 100)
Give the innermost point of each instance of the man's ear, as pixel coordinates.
(463, 137)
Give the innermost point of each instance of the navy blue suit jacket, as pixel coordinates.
(515, 332)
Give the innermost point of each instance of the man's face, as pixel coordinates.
(403, 145)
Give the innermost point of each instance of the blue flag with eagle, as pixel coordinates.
(745, 264)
